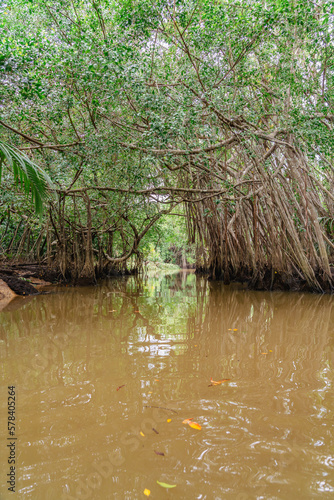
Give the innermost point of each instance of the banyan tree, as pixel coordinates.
(223, 107)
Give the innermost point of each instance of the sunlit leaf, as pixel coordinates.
(165, 485)
(169, 420)
(195, 425)
(218, 382)
(187, 420)
(147, 492)
(142, 434)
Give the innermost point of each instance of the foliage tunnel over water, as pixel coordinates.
(220, 113)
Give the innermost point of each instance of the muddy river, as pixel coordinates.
(104, 378)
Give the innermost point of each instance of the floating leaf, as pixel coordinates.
(195, 425)
(156, 380)
(147, 492)
(264, 353)
(187, 420)
(159, 453)
(214, 382)
(120, 387)
(142, 434)
(169, 420)
(153, 429)
(165, 485)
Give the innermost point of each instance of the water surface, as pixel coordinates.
(266, 433)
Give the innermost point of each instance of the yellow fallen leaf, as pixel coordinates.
(169, 420)
(142, 434)
(270, 350)
(156, 380)
(147, 492)
(195, 425)
(150, 392)
(235, 329)
(264, 353)
(187, 420)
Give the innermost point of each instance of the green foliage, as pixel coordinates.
(124, 90)
(168, 241)
(26, 173)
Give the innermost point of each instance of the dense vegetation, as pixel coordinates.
(215, 114)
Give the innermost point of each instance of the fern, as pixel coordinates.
(30, 176)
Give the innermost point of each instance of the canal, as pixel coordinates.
(107, 379)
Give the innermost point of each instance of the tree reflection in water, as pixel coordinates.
(267, 431)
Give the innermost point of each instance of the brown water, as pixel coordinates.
(266, 434)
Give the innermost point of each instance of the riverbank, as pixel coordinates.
(161, 267)
(269, 279)
(23, 279)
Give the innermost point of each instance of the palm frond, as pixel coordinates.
(30, 176)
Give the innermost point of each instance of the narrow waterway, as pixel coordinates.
(90, 366)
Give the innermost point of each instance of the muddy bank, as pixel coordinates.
(268, 279)
(25, 279)
(19, 286)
